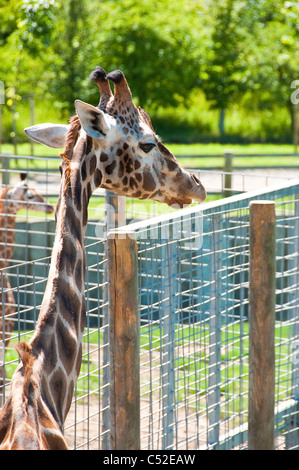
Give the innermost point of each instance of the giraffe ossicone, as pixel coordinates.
(112, 146)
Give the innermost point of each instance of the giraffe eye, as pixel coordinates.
(147, 147)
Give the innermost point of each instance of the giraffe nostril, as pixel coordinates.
(49, 209)
(197, 190)
(194, 177)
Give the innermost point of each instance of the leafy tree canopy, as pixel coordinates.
(235, 51)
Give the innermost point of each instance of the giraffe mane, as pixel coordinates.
(72, 135)
(25, 352)
(71, 140)
(37, 435)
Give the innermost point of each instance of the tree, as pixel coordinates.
(29, 28)
(26, 34)
(69, 62)
(158, 53)
(224, 77)
(273, 52)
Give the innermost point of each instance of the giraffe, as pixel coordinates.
(112, 146)
(12, 200)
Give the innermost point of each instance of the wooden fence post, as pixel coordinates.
(115, 208)
(295, 127)
(31, 101)
(14, 128)
(261, 326)
(124, 342)
(5, 163)
(228, 169)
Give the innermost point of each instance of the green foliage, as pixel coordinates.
(70, 65)
(224, 75)
(273, 59)
(35, 23)
(185, 61)
(158, 53)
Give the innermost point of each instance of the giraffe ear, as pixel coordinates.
(93, 120)
(51, 135)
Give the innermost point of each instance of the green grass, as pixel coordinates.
(216, 152)
(178, 150)
(25, 150)
(241, 162)
(219, 149)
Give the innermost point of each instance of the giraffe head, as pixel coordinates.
(22, 197)
(121, 148)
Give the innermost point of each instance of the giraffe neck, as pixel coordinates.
(57, 340)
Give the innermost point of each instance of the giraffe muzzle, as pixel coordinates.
(198, 191)
(49, 209)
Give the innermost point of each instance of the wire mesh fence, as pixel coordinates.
(193, 305)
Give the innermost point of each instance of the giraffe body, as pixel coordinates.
(112, 146)
(12, 200)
